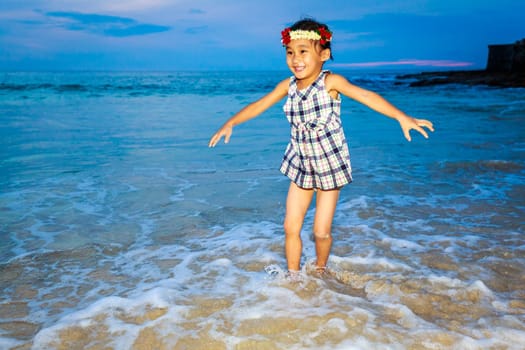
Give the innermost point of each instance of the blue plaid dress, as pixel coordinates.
(317, 156)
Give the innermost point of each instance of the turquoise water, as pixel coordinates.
(119, 227)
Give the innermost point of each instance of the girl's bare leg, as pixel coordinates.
(326, 203)
(297, 204)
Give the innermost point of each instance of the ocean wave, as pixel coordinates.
(139, 84)
(146, 84)
(93, 88)
(482, 166)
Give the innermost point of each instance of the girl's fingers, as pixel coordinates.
(217, 137)
(407, 135)
(418, 125)
(426, 123)
(418, 129)
(422, 131)
(214, 140)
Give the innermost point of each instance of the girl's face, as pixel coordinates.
(305, 59)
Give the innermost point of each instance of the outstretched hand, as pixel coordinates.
(226, 131)
(410, 123)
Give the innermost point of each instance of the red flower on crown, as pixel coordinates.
(325, 34)
(285, 36)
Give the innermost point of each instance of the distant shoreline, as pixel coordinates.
(468, 77)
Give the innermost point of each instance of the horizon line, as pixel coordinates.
(406, 62)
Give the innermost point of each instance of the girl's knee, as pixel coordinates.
(322, 236)
(291, 228)
(322, 228)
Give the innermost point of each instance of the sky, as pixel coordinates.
(183, 35)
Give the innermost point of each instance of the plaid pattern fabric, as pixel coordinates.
(317, 155)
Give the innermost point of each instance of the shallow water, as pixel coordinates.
(121, 229)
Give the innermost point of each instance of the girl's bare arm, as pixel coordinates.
(379, 104)
(250, 111)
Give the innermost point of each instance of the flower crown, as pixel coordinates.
(322, 34)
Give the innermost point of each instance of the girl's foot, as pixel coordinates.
(320, 270)
(294, 276)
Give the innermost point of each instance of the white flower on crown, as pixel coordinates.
(304, 34)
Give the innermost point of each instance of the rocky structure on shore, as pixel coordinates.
(505, 68)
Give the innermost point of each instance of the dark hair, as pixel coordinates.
(312, 24)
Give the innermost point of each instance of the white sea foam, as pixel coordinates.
(402, 243)
(370, 260)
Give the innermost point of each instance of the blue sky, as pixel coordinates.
(236, 34)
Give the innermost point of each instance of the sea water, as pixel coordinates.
(121, 229)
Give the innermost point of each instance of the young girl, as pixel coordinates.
(317, 157)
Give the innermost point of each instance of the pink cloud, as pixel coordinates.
(408, 62)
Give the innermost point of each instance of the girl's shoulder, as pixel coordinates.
(335, 81)
(332, 77)
(281, 89)
(284, 84)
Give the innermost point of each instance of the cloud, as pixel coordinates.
(407, 62)
(197, 12)
(196, 30)
(105, 25)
